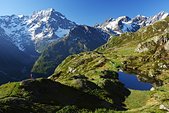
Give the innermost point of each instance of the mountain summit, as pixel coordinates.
(37, 30)
(126, 24)
(49, 24)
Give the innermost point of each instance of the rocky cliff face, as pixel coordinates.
(154, 43)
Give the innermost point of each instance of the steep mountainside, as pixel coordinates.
(80, 39)
(45, 26)
(125, 24)
(36, 31)
(14, 64)
(22, 37)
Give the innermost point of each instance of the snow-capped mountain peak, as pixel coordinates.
(43, 15)
(41, 26)
(116, 26)
(110, 19)
(161, 15)
(49, 24)
(123, 18)
(126, 24)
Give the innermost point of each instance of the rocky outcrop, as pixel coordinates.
(154, 43)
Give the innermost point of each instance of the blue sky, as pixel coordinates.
(87, 12)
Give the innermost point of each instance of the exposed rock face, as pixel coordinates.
(163, 107)
(154, 43)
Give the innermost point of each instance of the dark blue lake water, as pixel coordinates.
(131, 81)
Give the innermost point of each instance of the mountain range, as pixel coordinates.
(126, 24)
(33, 33)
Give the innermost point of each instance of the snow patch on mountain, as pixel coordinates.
(61, 32)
